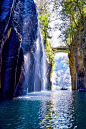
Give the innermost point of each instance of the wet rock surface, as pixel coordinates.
(21, 43)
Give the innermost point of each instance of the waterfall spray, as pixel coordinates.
(44, 69)
(32, 45)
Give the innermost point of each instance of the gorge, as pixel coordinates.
(22, 52)
(28, 99)
(23, 63)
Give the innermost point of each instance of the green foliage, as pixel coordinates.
(75, 10)
(44, 25)
(66, 51)
(49, 54)
(44, 20)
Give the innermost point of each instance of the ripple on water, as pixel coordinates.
(47, 110)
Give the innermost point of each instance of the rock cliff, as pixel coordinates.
(10, 50)
(21, 49)
(77, 60)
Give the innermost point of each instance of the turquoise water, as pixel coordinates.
(46, 110)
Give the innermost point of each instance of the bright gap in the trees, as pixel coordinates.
(61, 73)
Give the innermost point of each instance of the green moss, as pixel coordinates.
(44, 20)
(49, 55)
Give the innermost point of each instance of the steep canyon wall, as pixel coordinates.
(10, 41)
(22, 56)
(77, 60)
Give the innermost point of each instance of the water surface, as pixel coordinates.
(46, 110)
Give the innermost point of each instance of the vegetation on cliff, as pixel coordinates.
(44, 20)
(73, 33)
(75, 11)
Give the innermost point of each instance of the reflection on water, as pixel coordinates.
(46, 110)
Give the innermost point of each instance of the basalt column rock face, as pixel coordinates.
(79, 66)
(10, 50)
(22, 50)
(77, 61)
(72, 70)
(84, 51)
(26, 22)
(6, 8)
(49, 67)
(9, 62)
(19, 75)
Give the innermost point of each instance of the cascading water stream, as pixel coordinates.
(44, 70)
(34, 51)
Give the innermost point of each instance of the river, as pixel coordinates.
(61, 109)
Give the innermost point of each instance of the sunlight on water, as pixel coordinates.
(46, 110)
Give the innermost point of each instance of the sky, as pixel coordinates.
(61, 73)
(55, 25)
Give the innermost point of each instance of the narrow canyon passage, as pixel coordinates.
(30, 97)
(61, 74)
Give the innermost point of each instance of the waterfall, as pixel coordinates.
(32, 45)
(35, 72)
(44, 69)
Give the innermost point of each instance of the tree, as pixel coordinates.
(44, 20)
(44, 25)
(74, 10)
